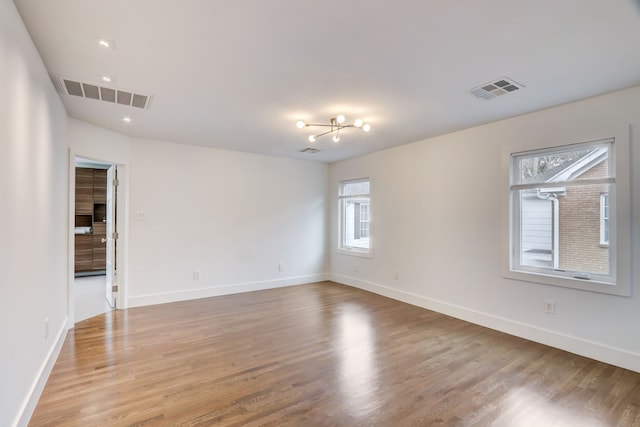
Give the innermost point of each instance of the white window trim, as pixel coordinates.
(354, 251)
(621, 253)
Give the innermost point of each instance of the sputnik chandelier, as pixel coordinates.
(336, 124)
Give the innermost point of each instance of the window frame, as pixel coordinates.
(342, 247)
(620, 258)
(605, 213)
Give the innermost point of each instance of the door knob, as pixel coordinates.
(103, 240)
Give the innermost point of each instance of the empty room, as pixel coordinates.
(286, 213)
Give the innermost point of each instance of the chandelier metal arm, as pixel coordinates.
(334, 128)
(330, 131)
(330, 125)
(335, 125)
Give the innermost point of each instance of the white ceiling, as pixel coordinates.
(238, 74)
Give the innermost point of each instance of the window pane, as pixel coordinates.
(537, 230)
(354, 188)
(563, 165)
(355, 232)
(355, 216)
(364, 220)
(562, 230)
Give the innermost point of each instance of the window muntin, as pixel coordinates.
(354, 201)
(556, 211)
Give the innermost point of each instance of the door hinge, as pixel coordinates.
(114, 235)
(114, 288)
(116, 182)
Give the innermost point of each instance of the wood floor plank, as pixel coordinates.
(320, 355)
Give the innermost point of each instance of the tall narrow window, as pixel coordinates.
(561, 212)
(354, 201)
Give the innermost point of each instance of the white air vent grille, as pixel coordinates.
(100, 93)
(499, 87)
(309, 150)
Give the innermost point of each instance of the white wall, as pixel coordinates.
(233, 216)
(33, 225)
(96, 143)
(438, 220)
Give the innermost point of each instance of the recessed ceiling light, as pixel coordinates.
(107, 79)
(126, 119)
(106, 43)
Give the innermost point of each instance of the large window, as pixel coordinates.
(563, 212)
(354, 201)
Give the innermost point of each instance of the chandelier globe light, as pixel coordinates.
(335, 125)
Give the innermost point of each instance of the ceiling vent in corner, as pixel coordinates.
(497, 88)
(106, 94)
(309, 150)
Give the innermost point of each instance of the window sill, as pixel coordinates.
(569, 282)
(356, 252)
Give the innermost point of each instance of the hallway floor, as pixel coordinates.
(90, 297)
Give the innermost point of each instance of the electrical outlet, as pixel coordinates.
(396, 275)
(46, 328)
(281, 267)
(355, 268)
(196, 274)
(549, 306)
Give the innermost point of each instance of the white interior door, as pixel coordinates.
(112, 235)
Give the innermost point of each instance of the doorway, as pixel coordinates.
(94, 234)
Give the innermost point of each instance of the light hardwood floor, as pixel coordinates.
(321, 355)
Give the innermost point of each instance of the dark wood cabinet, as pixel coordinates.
(91, 220)
(99, 186)
(84, 191)
(84, 253)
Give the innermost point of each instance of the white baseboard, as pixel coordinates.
(604, 353)
(167, 297)
(29, 405)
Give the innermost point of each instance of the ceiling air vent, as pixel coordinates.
(309, 150)
(100, 93)
(498, 88)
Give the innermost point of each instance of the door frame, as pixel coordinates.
(122, 244)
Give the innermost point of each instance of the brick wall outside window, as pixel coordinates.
(579, 212)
